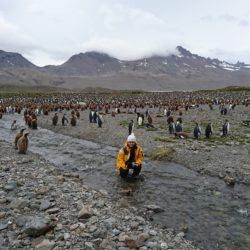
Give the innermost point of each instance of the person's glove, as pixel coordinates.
(132, 165)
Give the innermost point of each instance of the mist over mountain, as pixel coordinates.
(180, 71)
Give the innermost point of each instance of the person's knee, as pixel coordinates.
(123, 173)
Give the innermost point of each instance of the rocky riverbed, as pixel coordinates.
(219, 156)
(43, 207)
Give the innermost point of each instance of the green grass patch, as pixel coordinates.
(188, 129)
(151, 129)
(165, 139)
(139, 127)
(124, 123)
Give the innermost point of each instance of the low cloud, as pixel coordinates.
(242, 55)
(243, 23)
(226, 18)
(127, 30)
(127, 51)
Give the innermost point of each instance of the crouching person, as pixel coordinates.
(130, 157)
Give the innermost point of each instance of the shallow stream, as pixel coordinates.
(217, 216)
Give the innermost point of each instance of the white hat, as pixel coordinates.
(131, 138)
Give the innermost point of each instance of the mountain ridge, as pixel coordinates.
(182, 69)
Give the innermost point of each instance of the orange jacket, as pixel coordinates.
(124, 154)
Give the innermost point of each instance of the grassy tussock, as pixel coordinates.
(162, 154)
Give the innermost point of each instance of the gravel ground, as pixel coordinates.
(42, 207)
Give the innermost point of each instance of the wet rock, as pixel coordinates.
(243, 212)
(152, 232)
(184, 228)
(164, 245)
(131, 243)
(92, 229)
(2, 215)
(36, 241)
(59, 237)
(143, 237)
(38, 226)
(216, 193)
(110, 222)
(116, 231)
(180, 235)
(154, 208)
(54, 210)
(6, 169)
(85, 213)
(152, 244)
(42, 190)
(26, 160)
(3, 200)
(100, 204)
(134, 224)
(60, 178)
(103, 192)
(107, 244)
(230, 181)
(45, 245)
(18, 203)
(59, 226)
(10, 186)
(3, 226)
(22, 220)
(221, 175)
(230, 170)
(89, 246)
(45, 204)
(73, 175)
(74, 227)
(123, 236)
(66, 236)
(143, 248)
(127, 191)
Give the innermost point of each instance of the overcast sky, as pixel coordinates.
(51, 31)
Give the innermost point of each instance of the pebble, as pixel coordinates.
(37, 226)
(45, 245)
(2, 215)
(10, 186)
(3, 226)
(85, 213)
